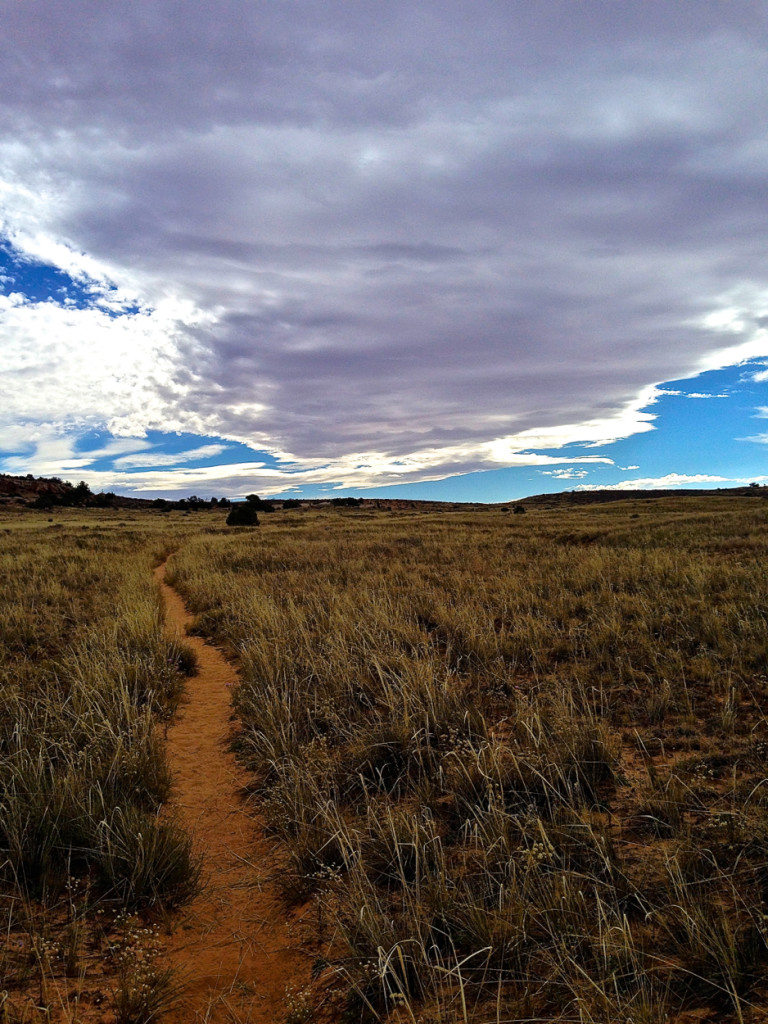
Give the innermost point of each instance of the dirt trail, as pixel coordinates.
(235, 947)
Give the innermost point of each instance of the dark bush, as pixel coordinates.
(243, 514)
(259, 504)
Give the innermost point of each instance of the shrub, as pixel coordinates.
(259, 504)
(243, 514)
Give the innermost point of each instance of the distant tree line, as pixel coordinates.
(190, 504)
(61, 494)
(246, 513)
(65, 495)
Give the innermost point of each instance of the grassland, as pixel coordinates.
(85, 679)
(517, 763)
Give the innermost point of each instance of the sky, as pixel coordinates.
(455, 250)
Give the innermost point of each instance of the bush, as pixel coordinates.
(259, 504)
(243, 514)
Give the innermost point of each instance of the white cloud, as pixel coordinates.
(117, 446)
(660, 482)
(55, 455)
(84, 367)
(46, 451)
(566, 474)
(151, 459)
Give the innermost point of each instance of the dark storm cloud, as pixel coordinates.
(403, 225)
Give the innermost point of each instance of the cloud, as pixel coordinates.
(660, 392)
(151, 459)
(566, 474)
(82, 366)
(54, 455)
(426, 239)
(117, 446)
(45, 451)
(670, 480)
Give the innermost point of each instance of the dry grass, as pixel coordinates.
(519, 762)
(85, 676)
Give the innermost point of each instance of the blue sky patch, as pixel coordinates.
(169, 450)
(44, 282)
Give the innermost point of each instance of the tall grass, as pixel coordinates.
(86, 674)
(518, 763)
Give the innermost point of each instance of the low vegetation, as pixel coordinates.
(517, 762)
(86, 676)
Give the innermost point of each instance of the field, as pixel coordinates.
(86, 676)
(513, 767)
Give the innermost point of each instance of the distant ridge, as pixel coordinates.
(26, 490)
(37, 491)
(610, 494)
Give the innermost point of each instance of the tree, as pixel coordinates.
(80, 494)
(259, 504)
(44, 500)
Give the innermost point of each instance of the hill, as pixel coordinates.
(602, 496)
(47, 492)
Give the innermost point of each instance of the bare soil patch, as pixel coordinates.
(236, 947)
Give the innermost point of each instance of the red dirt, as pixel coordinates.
(236, 947)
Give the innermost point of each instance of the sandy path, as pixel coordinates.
(235, 947)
